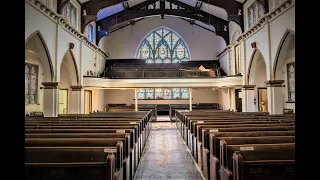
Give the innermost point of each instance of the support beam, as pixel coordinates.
(50, 99)
(275, 96)
(190, 99)
(136, 99)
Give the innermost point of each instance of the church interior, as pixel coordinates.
(160, 89)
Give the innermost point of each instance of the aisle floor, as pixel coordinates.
(166, 156)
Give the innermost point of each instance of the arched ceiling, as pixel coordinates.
(209, 14)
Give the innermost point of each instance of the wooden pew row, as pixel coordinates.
(218, 158)
(37, 152)
(285, 119)
(137, 150)
(260, 162)
(71, 125)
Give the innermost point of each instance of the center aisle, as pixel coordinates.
(166, 156)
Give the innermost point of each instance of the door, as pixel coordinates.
(88, 101)
(63, 101)
(262, 100)
(238, 100)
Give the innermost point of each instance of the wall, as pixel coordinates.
(98, 100)
(223, 98)
(116, 96)
(203, 44)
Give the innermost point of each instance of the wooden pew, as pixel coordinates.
(220, 156)
(259, 162)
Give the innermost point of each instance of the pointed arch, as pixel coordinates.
(69, 61)
(169, 41)
(36, 43)
(255, 60)
(235, 36)
(287, 43)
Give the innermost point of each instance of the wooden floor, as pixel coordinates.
(166, 156)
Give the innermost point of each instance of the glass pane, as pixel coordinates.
(141, 93)
(149, 61)
(158, 93)
(26, 99)
(26, 69)
(33, 84)
(32, 99)
(291, 81)
(26, 83)
(175, 93)
(149, 94)
(184, 93)
(167, 93)
(158, 61)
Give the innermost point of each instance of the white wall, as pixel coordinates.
(98, 100)
(203, 44)
(223, 99)
(116, 96)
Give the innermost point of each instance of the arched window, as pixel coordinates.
(255, 12)
(88, 32)
(31, 83)
(163, 46)
(69, 12)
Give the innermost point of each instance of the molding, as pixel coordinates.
(248, 87)
(57, 18)
(225, 50)
(77, 88)
(267, 18)
(50, 85)
(275, 83)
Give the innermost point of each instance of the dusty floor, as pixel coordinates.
(166, 156)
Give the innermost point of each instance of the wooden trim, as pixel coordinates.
(290, 102)
(250, 64)
(248, 87)
(50, 85)
(76, 88)
(275, 83)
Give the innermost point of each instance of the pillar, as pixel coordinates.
(248, 98)
(190, 99)
(50, 99)
(275, 96)
(77, 100)
(136, 99)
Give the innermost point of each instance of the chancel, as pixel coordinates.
(160, 89)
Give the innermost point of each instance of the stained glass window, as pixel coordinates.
(291, 81)
(184, 93)
(149, 93)
(167, 93)
(158, 93)
(255, 12)
(88, 32)
(31, 83)
(163, 46)
(175, 93)
(141, 93)
(163, 93)
(69, 12)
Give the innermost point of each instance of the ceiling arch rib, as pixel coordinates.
(233, 8)
(184, 10)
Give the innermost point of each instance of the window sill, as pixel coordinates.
(290, 102)
(31, 104)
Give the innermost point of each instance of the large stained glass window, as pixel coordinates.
(255, 12)
(88, 32)
(163, 93)
(163, 46)
(69, 12)
(291, 81)
(31, 83)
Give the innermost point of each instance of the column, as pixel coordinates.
(136, 99)
(50, 99)
(275, 96)
(77, 100)
(248, 98)
(190, 99)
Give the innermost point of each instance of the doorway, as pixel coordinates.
(262, 99)
(238, 100)
(63, 101)
(88, 101)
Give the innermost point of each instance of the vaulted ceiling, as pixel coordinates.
(212, 15)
